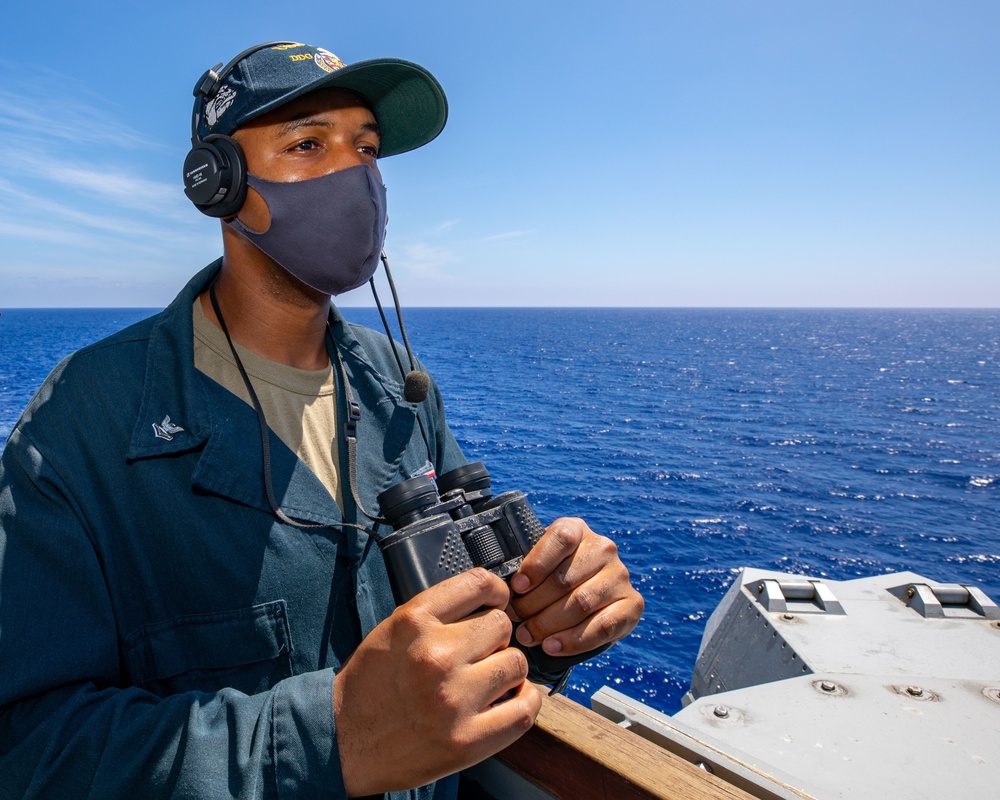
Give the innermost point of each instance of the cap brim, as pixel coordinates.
(408, 102)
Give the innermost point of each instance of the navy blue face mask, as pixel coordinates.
(327, 231)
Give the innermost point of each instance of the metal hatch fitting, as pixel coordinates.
(797, 594)
(940, 600)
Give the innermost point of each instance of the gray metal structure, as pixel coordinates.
(883, 687)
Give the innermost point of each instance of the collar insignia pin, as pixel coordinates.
(166, 429)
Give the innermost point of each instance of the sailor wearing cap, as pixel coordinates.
(192, 600)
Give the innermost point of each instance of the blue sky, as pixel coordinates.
(695, 153)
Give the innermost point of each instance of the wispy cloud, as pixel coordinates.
(499, 237)
(70, 125)
(427, 261)
(66, 209)
(446, 226)
(45, 105)
(17, 230)
(46, 211)
(109, 184)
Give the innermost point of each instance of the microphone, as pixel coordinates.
(416, 386)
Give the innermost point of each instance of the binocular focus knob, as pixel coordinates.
(483, 547)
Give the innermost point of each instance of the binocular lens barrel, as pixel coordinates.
(468, 478)
(407, 501)
(417, 497)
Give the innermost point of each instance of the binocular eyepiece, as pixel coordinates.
(446, 527)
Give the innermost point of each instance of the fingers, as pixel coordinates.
(557, 636)
(497, 725)
(503, 723)
(574, 593)
(495, 679)
(437, 685)
(561, 540)
(478, 636)
(568, 555)
(461, 595)
(458, 621)
(440, 696)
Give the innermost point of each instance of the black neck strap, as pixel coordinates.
(350, 431)
(350, 426)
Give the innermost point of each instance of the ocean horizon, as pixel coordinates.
(155, 309)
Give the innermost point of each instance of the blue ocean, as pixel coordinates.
(834, 443)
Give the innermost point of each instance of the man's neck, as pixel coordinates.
(269, 312)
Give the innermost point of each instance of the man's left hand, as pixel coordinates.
(573, 591)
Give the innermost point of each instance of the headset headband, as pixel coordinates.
(209, 83)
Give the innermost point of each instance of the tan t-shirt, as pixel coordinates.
(300, 405)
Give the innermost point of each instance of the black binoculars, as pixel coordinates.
(444, 528)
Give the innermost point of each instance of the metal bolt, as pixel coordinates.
(914, 691)
(828, 686)
(721, 712)
(760, 588)
(910, 592)
(788, 616)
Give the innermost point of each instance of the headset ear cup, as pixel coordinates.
(215, 176)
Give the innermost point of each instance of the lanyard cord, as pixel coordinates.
(350, 429)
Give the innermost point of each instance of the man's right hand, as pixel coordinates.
(420, 697)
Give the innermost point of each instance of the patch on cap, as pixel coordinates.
(327, 61)
(218, 105)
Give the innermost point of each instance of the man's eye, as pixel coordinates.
(308, 144)
(369, 150)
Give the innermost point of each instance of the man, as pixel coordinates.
(192, 608)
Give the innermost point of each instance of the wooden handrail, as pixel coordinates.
(575, 754)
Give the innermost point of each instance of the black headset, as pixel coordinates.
(215, 169)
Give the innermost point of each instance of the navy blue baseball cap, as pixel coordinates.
(407, 100)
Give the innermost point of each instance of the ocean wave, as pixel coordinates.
(976, 558)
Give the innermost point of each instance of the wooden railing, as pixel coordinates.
(575, 754)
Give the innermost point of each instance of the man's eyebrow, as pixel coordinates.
(311, 120)
(304, 121)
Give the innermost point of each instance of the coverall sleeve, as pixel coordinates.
(70, 727)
